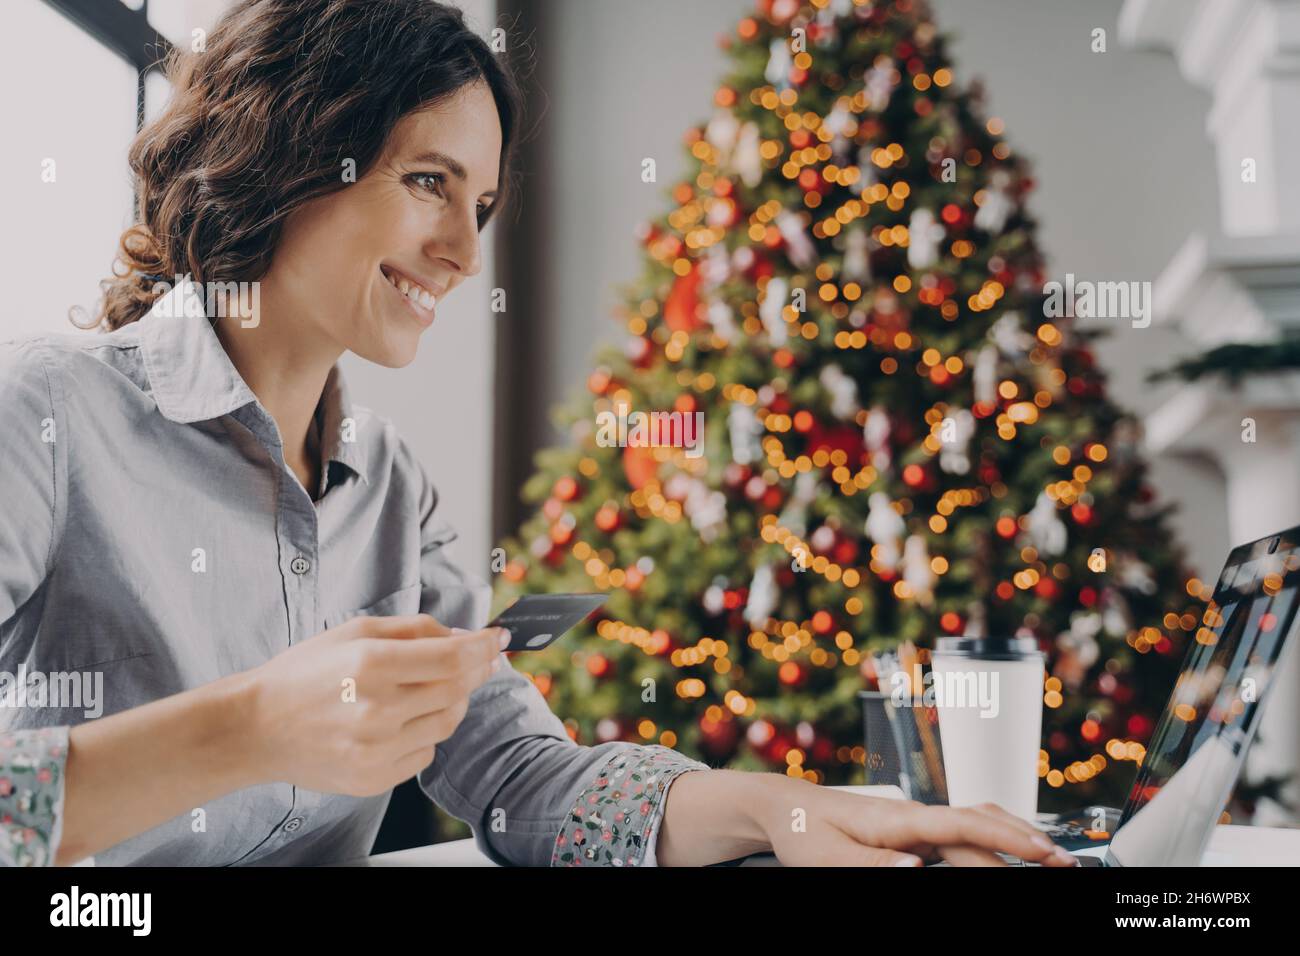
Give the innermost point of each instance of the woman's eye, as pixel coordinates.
(429, 182)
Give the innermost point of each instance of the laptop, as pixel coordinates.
(1200, 743)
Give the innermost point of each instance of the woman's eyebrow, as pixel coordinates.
(453, 167)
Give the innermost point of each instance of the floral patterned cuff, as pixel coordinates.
(614, 818)
(31, 795)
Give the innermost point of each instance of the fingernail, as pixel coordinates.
(504, 640)
(459, 630)
(496, 665)
(908, 861)
(1063, 855)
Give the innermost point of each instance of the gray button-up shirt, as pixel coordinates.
(151, 533)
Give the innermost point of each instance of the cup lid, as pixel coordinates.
(989, 648)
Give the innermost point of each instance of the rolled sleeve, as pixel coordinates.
(32, 766)
(615, 821)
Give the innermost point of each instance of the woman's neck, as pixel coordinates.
(285, 363)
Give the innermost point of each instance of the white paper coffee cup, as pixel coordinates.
(988, 693)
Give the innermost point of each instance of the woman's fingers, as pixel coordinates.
(951, 826)
(970, 856)
(878, 856)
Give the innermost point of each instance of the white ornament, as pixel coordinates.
(992, 214)
(795, 513)
(774, 300)
(955, 434)
(880, 84)
(869, 177)
(843, 391)
(1011, 339)
(857, 257)
(762, 597)
(884, 526)
(838, 124)
(714, 600)
(1046, 530)
(707, 509)
(721, 318)
(917, 573)
(924, 233)
(1116, 617)
(744, 428)
(1135, 575)
(779, 63)
(985, 376)
(875, 435)
(715, 268)
(798, 246)
(747, 159)
(722, 133)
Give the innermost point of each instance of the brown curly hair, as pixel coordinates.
(264, 119)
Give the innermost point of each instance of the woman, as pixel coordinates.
(244, 574)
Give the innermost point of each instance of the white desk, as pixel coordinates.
(1229, 846)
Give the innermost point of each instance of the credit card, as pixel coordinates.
(536, 621)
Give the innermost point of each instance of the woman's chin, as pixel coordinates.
(390, 354)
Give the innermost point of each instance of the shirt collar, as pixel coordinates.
(193, 379)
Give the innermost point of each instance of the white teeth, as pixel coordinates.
(415, 293)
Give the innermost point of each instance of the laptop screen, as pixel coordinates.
(1200, 743)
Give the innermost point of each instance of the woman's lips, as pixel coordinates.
(421, 300)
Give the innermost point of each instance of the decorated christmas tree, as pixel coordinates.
(897, 443)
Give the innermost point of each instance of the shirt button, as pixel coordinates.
(293, 824)
(300, 565)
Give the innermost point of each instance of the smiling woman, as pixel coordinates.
(202, 488)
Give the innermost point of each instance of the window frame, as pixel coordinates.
(125, 32)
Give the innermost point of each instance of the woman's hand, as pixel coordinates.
(361, 707)
(717, 815)
(847, 829)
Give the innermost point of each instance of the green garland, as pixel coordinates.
(1235, 360)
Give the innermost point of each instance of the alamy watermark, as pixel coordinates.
(1098, 300)
(632, 429)
(241, 300)
(61, 689)
(951, 690)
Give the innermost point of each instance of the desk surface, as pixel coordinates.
(1229, 846)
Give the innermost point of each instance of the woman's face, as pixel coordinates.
(368, 265)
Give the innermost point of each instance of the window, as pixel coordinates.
(74, 74)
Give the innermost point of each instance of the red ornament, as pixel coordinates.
(1139, 725)
(846, 551)
(681, 308)
(608, 518)
(598, 665)
(566, 489)
(639, 465)
(791, 673)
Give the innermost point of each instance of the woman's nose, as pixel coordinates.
(460, 247)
